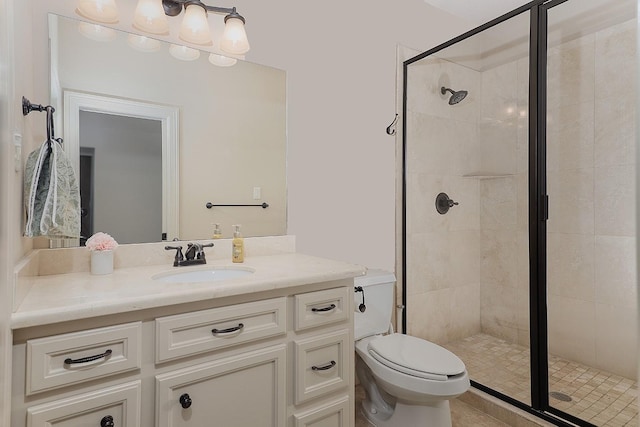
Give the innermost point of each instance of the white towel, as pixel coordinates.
(52, 194)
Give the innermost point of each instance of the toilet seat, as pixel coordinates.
(415, 356)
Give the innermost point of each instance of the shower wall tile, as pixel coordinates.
(616, 340)
(442, 260)
(522, 147)
(522, 254)
(522, 123)
(570, 266)
(465, 312)
(427, 77)
(615, 67)
(498, 204)
(615, 130)
(422, 216)
(571, 72)
(522, 207)
(500, 93)
(498, 146)
(615, 201)
(464, 252)
(616, 271)
(429, 315)
(498, 313)
(571, 204)
(441, 146)
(570, 136)
(571, 325)
(499, 258)
(429, 256)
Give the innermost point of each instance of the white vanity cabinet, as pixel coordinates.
(280, 358)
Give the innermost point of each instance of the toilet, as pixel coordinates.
(408, 381)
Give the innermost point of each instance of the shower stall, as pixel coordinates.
(518, 222)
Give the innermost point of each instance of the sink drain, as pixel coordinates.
(560, 396)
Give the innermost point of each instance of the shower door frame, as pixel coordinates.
(538, 210)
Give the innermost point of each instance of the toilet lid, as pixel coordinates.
(415, 356)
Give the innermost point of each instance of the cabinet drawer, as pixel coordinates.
(322, 365)
(60, 360)
(335, 413)
(192, 333)
(241, 391)
(322, 308)
(120, 404)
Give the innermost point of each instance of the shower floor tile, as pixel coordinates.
(599, 397)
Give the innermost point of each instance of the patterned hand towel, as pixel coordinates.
(51, 193)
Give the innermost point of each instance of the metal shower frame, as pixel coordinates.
(538, 209)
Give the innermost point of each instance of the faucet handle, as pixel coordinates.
(179, 257)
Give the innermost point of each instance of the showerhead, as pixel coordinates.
(456, 96)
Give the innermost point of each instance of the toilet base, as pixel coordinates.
(433, 414)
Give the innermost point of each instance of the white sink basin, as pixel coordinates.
(214, 274)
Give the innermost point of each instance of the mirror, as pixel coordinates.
(206, 134)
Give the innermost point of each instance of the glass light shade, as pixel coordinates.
(96, 32)
(150, 17)
(195, 27)
(143, 43)
(234, 39)
(104, 11)
(221, 60)
(184, 53)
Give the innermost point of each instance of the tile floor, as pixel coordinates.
(462, 415)
(599, 397)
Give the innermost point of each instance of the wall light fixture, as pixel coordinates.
(151, 17)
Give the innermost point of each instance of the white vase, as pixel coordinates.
(101, 262)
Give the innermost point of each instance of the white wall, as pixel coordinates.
(340, 59)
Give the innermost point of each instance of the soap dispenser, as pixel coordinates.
(237, 245)
(217, 233)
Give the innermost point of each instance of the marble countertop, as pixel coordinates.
(80, 295)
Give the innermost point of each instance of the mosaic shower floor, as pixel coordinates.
(599, 397)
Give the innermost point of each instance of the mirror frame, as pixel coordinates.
(74, 102)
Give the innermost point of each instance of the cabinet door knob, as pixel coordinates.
(185, 401)
(107, 421)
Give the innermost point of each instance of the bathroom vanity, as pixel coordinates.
(271, 348)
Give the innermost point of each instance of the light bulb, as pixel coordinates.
(96, 32)
(221, 60)
(104, 11)
(195, 27)
(143, 43)
(150, 17)
(234, 39)
(184, 53)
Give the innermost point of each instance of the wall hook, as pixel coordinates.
(391, 129)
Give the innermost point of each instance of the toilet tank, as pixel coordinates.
(378, 297)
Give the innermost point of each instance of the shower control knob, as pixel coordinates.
(444, 203)
(107, 421)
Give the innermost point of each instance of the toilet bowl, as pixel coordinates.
(408, 380)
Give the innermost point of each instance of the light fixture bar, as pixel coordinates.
(174, 7)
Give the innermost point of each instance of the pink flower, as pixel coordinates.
(101, 242)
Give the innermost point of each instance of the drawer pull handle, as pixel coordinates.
(107, 421)
(228, 330)
(185, 401)
(325, 367)
(104, 355)
(328, 308)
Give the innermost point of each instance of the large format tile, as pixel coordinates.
(570, 265)
(614, 200)
(616, 271)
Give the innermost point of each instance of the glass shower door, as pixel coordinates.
(590, 165)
